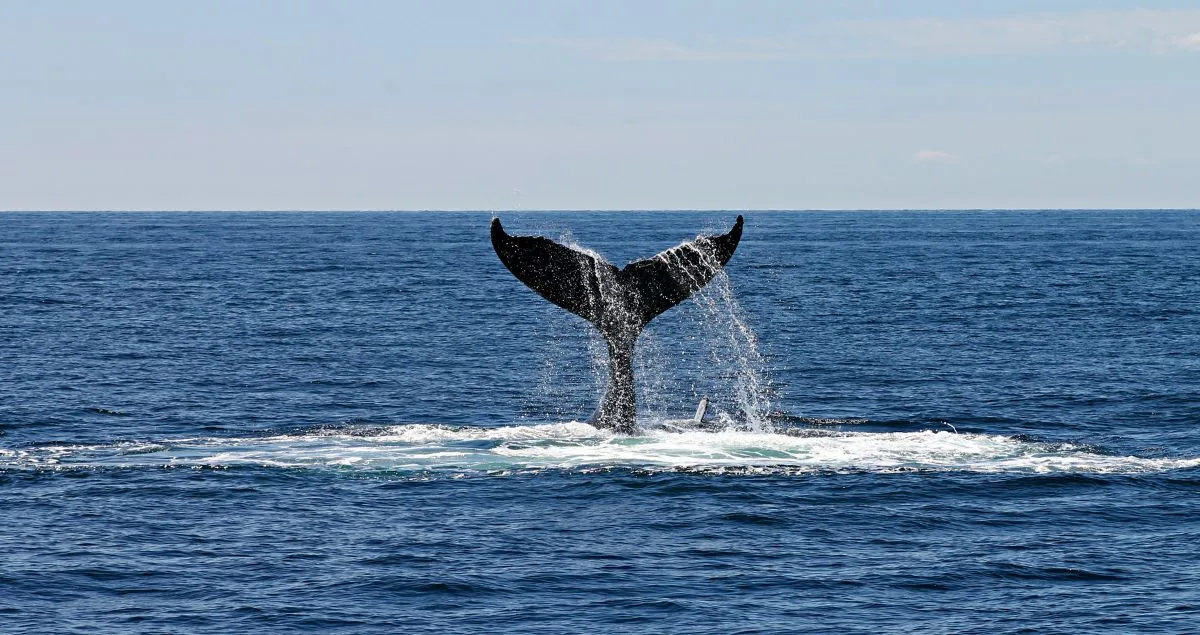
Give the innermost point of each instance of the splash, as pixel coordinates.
(705, 347)
(732, 348)
(429, 450)
(724, 359)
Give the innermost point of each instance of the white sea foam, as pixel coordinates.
(578, 446)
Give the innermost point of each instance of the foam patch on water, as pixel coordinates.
(425, 448)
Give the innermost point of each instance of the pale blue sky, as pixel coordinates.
(599, 105)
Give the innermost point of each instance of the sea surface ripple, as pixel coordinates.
(943, 422)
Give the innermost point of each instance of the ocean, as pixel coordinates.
(930, 422)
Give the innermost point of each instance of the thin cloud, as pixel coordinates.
(1130, 31)
(1133, 31)
(935, 156)
(645, 50)
(1189, 43)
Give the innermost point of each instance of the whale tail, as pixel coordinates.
(618, 302)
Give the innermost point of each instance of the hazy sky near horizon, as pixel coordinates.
(571, 104)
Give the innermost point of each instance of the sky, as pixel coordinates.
(573, 104)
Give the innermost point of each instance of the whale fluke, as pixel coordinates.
(618, 302)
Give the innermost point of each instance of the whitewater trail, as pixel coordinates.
(431, 449)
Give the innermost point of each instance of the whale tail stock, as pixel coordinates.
(618, 302)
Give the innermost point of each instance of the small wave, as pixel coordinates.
(108, 412)
(431, 448)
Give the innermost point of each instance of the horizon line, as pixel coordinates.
(598, 210)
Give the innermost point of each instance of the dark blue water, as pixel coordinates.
(923, 422)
